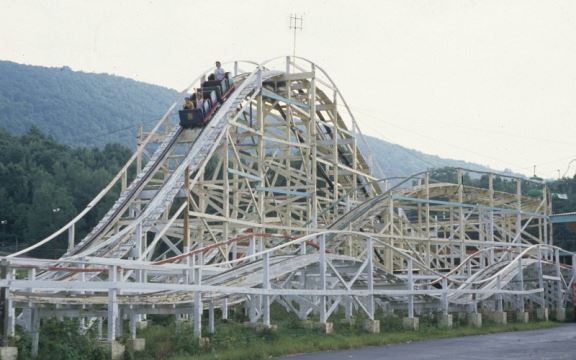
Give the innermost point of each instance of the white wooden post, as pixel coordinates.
(71, 236)
(266, 286)
(198, 307)
(112, 303)
(322, 277)
(445, 296)
(370, 277)
(211, 326)
(410, 287)
(499, 301)
(225, 309)
(520, 285)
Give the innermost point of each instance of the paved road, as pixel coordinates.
(550, 344)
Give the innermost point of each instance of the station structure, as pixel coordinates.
(276, 200)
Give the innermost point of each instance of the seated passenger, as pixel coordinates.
(199, 100)
(211, 77)
(219, 73)
(189, 104)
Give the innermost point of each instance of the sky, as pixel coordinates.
(491, 81)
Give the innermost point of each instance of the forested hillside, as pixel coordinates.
(78, 108)
(83, 109)
(44, 184)
(396, 160)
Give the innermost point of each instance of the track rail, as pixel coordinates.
(282, 216)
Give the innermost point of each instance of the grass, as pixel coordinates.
(233, 340)
(290, 344)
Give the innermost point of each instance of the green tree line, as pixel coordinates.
(44, 184)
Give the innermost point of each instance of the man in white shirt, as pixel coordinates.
(219, 73)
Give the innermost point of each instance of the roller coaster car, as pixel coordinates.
(221, 87)
(190, 118)
(213, 92)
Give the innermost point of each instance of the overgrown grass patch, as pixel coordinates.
(290, 343)
(234, 340)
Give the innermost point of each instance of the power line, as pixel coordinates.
(495, 132)
(369, 114)
(405, 150)
(107, 133)
(441, 140)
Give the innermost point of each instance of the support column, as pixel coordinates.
(560, 309)
(445, 320)
(324, 324)
(491, 259)
(410, 322)
(35, 330)
(371, 325)
(100, 325)
(225, 309)
(322, 277)
(370, 277)
(10, 324)
(461, 230)
(542, 311)
(112, 303)
(27, 313)
(518, 236)
(499, 316)
(411, 288)
(198, 307)
(313, 145)
(120, 316)
(211, 325)
(427, 209)
(348, 309)
(133, 327)
(266, 287)
(521, 315)
(116, 349)
(475, 319)
(499, 300)
(71, 236)
(251, 299)
(134, 343)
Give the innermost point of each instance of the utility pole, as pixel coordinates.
(295, 24)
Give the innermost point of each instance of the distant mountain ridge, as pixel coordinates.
(85, 109)
(78, 108)
(401, 161)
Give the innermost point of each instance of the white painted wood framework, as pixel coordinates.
(274, 202)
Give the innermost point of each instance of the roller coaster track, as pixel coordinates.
(202, 147)
(272, 201)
